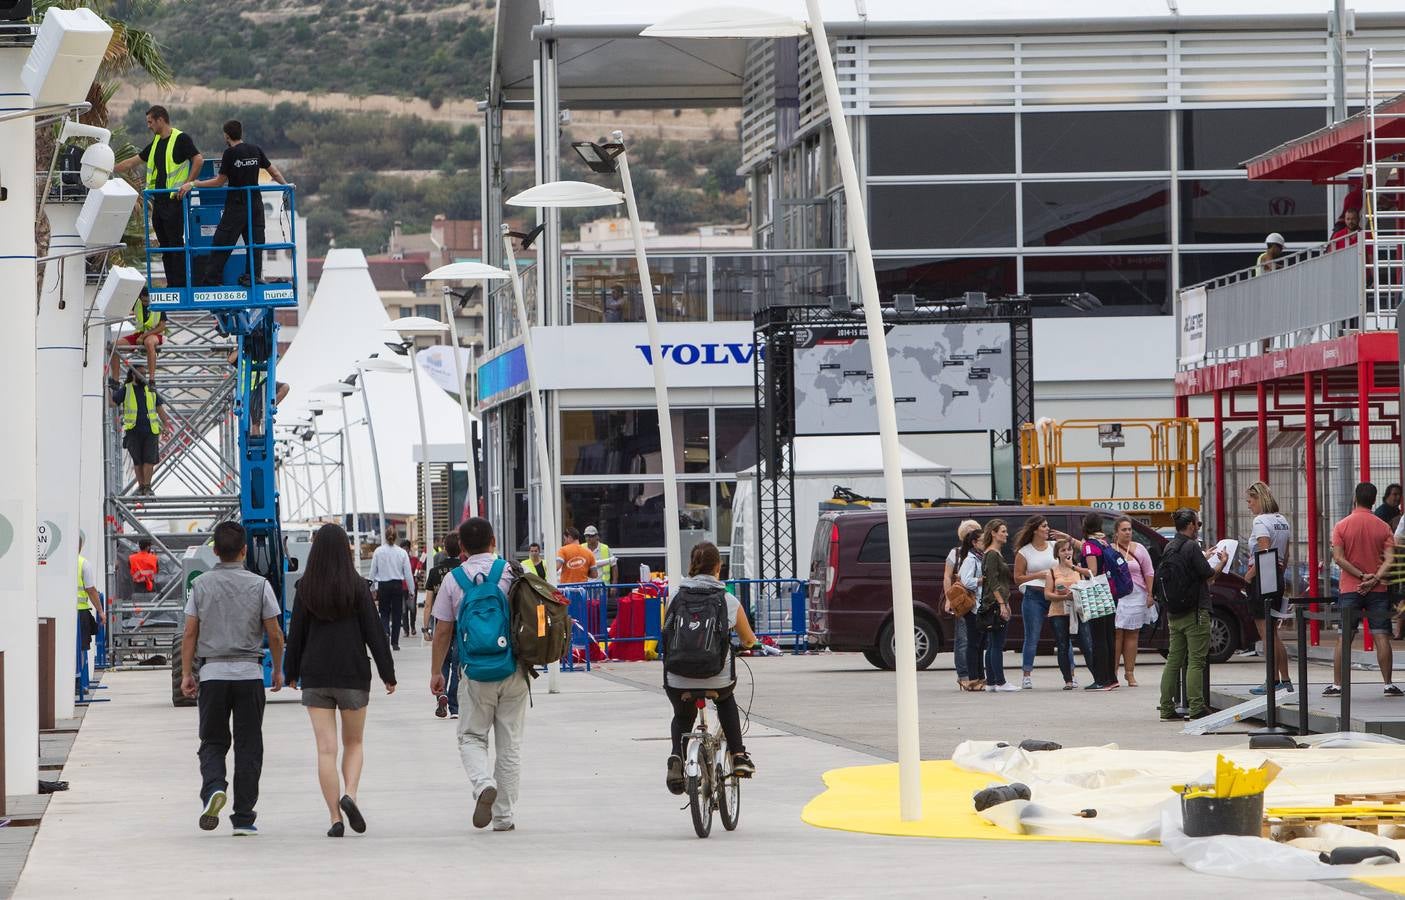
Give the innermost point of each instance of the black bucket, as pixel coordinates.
(1206, 816)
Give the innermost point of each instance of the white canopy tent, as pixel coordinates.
(821, 463)
(345, 323)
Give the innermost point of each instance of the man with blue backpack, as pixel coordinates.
(474, 613)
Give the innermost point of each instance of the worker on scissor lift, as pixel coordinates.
(172, 160)
(239, 168)
(150, 333)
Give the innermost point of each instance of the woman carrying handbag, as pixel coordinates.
(969, 562)
(997, 584)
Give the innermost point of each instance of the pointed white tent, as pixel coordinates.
(344, 323)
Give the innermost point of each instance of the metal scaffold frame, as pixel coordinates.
(776, 328)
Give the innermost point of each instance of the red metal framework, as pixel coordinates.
(1304, 389)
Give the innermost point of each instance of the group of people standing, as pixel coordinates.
(1048, 565)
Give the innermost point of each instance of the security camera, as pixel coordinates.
(97, 165)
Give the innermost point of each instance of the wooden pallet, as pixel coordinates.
(1379, 797)
(1287, 827)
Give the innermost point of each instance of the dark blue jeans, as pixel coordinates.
(995, 653)
(958, 648)
(1063, 646)
(1034, 609)
(976, 638)
(451, 670)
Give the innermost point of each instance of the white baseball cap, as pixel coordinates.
(590, 531)
(1275, 238)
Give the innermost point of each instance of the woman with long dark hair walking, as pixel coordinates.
(334, 623)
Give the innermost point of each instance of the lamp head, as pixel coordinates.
(467, 271)
(600, 156)
(567, 195)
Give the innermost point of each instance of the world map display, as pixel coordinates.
(946, 377)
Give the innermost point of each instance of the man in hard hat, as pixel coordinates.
(1267, 260)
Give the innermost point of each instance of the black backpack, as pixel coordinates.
(1175, 586)
(696, 633)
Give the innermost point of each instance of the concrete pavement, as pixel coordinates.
(594, 818)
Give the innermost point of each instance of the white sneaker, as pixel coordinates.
(990, 688)
(1027, 684)
(1007, 687)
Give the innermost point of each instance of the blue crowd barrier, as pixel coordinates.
(100, 659)
(776, 608)
(82, 680)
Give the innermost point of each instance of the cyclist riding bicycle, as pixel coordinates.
(704, 567)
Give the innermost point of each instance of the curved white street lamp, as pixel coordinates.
(464, 271)
(748, 22)
(411, 326)
(341, 390)
(563, 194)
(387, 367)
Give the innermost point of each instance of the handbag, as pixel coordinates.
(1093, 598)
(959, 599)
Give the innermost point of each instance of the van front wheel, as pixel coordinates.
(924, 635)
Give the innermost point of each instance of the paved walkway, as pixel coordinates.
(594, 819)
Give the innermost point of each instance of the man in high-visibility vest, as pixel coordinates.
(144, 421)
(89, 603)
(604, 561)
(171, 160)
(150, 333)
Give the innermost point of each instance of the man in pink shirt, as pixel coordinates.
(1363, 547)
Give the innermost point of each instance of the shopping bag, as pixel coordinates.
(1093, 598)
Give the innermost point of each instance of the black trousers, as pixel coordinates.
(390, 596)
(166, 221)
(685, 713)
(87, 627)
(234, 224)
(220, 702)
(1102, 632)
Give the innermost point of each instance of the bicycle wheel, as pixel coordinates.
(700, 804)
(729, 793)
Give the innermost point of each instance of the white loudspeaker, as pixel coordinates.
(119, 292)
(105, 212)
(66, 55)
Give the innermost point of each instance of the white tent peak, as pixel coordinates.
(345, 258)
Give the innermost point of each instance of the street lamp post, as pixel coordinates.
(375, 364)
(752, 23)
(412, 325)
(464, 271)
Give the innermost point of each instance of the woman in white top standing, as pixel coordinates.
(1137, 608)
(1270, 531)
(958, 648)
(1034, 565)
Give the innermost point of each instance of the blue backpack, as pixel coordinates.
(483, 626)
(1113, 564)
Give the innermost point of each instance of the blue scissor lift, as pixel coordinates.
(245, 311)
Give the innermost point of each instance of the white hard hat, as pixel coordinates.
(1275, 238)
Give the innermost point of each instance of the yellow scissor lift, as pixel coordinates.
(1077, 463)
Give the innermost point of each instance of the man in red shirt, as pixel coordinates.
(1363, 547)
(574, 563)
(143, 567)
(1350, 232)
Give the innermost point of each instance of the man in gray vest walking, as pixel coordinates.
(230, 611)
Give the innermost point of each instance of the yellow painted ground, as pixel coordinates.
(865, 799)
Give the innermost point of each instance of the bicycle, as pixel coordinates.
(711, 781)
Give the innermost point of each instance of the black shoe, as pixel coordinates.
(674, 780)
(1332, 690)
(1199, 715)
(742, 765)
(395, 647)
(1393, 691)
(441, 708)
(483, 809)
(1172, 717)
(337, 830)
(210, 815)
(353, 814)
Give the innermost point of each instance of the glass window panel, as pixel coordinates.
(929, 540)
(1235, 211)
(1198, 267)
(1074, 213)
(742, 285)
(628, 515)
(695, 512)
(1123, 141)
(736, 439)
(726, 492)
(952, 276)
(626, 441)
(964, 144)
(1127, 284)
(606, 289)
(1224, 138)
(941, 215)
(429, 311)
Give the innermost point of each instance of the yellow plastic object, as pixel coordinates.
(1394, 884)
(865, 799)
(1232, 781)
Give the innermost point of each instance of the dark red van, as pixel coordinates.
(850, 601)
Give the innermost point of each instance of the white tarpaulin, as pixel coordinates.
(438, 364)
(1131, 791)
